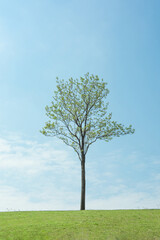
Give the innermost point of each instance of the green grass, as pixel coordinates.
(76, 225)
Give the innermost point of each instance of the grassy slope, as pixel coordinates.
(100, 225)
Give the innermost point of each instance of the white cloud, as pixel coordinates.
(32, 156)
(46, 176)
(126, 200)
(14, 200)
(23, 183)
(4, 146)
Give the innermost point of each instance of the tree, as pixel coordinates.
(78, 116)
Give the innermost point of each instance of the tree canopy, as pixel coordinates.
(78, 114)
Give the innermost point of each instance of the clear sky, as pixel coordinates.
(117, 40)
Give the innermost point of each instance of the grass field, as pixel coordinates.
(76, 225)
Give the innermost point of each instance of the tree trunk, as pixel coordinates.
(83, 182)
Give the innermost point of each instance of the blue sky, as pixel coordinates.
(118, 41)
